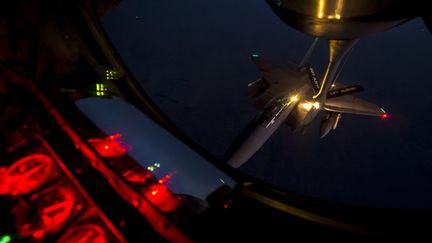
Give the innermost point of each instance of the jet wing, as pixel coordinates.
(263, 65)
(353, 105)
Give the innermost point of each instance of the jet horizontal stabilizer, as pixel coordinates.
(352, 105)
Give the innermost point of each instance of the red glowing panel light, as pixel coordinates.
(109, 147)
(26, 174)
(137, 176)
(38, 234)
(56, 207)
(83, 234)
(161, 197)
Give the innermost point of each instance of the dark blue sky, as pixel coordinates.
(192, 57)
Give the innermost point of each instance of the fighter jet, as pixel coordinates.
(293, 94)
(289, 95)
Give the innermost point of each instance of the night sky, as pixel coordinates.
(192, 58)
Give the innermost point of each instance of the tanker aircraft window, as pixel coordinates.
(185, 172)
(195, 60)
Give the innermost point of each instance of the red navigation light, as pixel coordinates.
(109, 147)
(84, 233)
(26, 175)
(162, 198)
(385, 116)
(56, 207)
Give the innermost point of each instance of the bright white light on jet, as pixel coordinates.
(294, 98)
(307, 106)
(333, 85)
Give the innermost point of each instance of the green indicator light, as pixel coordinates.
(101, 89)
(5, 239)
(383, 110)
(255, 55)
(110, 74)
(157, 165)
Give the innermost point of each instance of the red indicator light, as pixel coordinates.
(136, 203)
(79, 207)
(84, 233)
(117, 135)
(38, 234)
(227, 204)
(161, 197)
(109, 147)
(385, 116)
(26, 175)
(165, 179)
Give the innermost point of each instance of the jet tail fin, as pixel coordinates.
(309, 53)
(313, 77)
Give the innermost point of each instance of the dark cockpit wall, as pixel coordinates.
(343, 19)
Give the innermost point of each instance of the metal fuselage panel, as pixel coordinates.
(255, 139)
